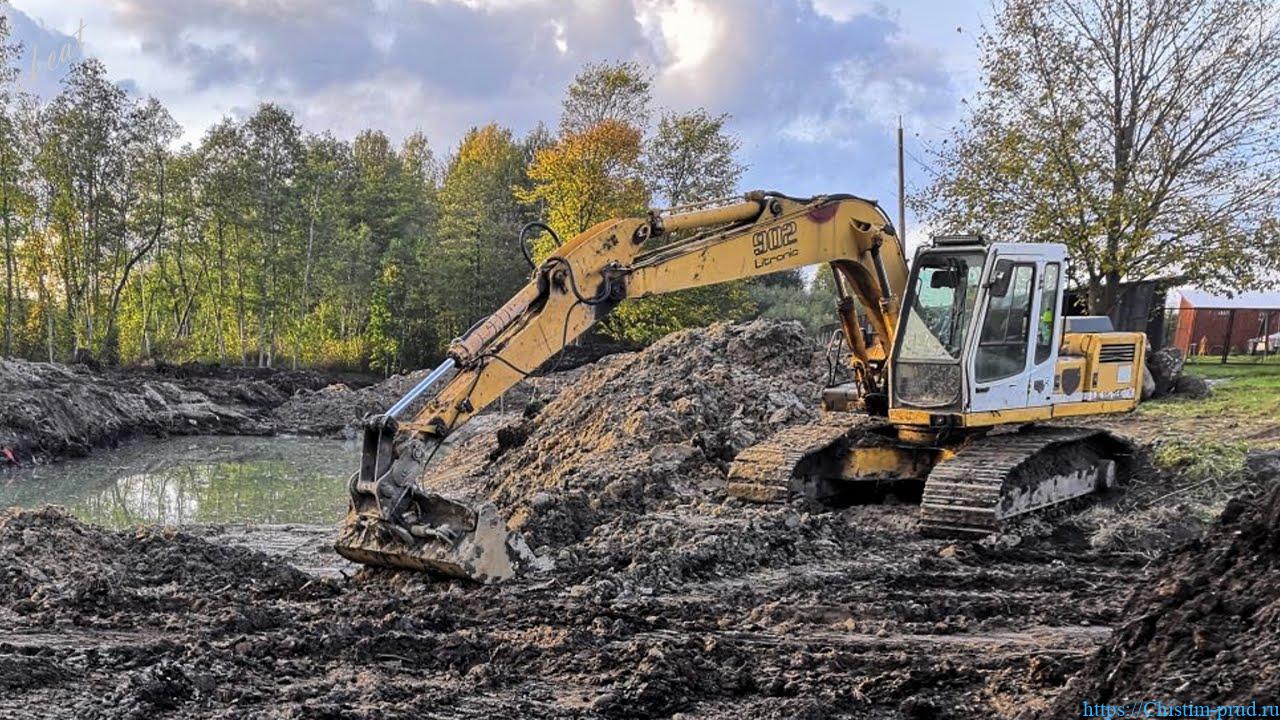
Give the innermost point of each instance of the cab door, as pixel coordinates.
(1047, 329)
(1000, 362)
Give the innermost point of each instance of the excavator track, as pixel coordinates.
(998, 477)
(764, 472)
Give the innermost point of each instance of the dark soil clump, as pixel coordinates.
(1203, 627)
(636, 430)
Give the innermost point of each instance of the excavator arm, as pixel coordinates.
(393, 522)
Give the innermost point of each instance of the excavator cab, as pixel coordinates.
(981, 341)
(981, 360)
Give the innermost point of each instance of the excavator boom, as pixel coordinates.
(393, 522)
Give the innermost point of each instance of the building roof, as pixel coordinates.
(1264, 300)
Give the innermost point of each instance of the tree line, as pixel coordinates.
(263, 244)
(1143, 134)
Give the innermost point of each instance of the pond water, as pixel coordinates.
(196, 480)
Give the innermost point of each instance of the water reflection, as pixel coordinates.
(196, 480)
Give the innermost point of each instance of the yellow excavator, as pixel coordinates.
(955, 368)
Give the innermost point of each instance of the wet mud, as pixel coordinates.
(667, 597)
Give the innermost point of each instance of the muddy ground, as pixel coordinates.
(668, 599)
(53, 411)
(1203, 626)
(713, 611)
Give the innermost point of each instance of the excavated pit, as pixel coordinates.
(667, 600)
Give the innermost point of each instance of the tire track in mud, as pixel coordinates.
(831, 618)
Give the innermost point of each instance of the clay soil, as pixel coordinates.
(667, 599)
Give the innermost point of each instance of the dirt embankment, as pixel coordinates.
(53, 411)
(1203, 626)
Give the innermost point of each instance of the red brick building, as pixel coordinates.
(1206, 322)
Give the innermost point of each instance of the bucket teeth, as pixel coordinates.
(484, 551)
(394, 523)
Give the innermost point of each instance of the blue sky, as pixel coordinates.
(814, 87)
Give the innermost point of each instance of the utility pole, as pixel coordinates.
(902, 193)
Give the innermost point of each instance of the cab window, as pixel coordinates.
(1002, 345)
(1048, 312)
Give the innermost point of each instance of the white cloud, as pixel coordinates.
(841, 10)
(690, 32)
(813, 86)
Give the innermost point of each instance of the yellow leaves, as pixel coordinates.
(490, 147)
(588, 176)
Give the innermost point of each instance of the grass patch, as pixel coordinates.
(1173, 500)
(1240, 391)
(1196, 459)
(1200, 461)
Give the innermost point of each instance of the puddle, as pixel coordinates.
(196, 480)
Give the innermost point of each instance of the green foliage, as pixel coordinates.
(691, 157)
(607, 91)
(814, 305)
(1201, 460)
(263, 244)
(383, 348)
(1140, 134)
(476, 264)
(648, 319)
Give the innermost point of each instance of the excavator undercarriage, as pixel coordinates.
(966, 486)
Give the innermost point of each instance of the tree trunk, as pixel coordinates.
(9, 271)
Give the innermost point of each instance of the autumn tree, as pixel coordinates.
(589, 176)
(1141, 133)
(476, 264)
(619, 91)
(102, 156)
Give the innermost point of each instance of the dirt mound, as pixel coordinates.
(336, 410)
(639, 429)
(1201, 627)
(54, 567)
(52, 411)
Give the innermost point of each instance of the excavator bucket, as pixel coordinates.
(394, 523)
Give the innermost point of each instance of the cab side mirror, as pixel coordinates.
(998, 286)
